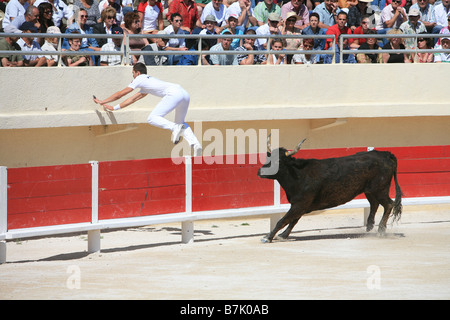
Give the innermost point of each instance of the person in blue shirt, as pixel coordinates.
(313, 29)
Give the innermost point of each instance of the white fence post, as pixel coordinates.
(3, 210)
(94, 235)
(187, 227)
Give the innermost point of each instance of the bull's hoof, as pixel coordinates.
(265, 240)
(382, 231)
(369, 226)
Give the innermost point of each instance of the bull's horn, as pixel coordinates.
(269, 147)
(290, 153)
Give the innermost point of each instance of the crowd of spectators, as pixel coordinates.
(222, 17)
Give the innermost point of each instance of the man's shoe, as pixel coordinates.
(198, 150)
(177, 132)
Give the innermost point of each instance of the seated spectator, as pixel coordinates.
(132, 25)
(29, 44)
(108, 17)
(200, 5)
(300, 58)
(210, 28)
(232, 24)
(339, 28)
(30, 15)
(412, 26)
(392, 16)
(188, 11)
(441, 12)
(60, 11)
(299, 8)
(443, 57)
(175, 44)
(92, 10)
(76, 60)
(51, 45)
(80, 25)
(314, 29)
(247, 57)
(346, 58)
(158, 45)
(218, 10)
(369, 44)
(424, 43)
(150, 14)
(264, 9)
(223, 59)
(277, 58)
(112, 3)
(427, 16)
(45, 16)
(9, 44)
(244, 10)
(289, 28)
(115, 45)
(271, 27)
(327, 11)
(14, 9)
(192, 59)
(395, 43)
(358, 12)
(362, 29)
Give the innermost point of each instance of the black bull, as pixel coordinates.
(312, 184)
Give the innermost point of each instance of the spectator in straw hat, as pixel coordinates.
(51, 44)
(299, 8)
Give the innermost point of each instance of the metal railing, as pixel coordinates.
(125, 51)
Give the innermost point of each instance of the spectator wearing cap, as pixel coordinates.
(210, 28)
(10, 44)
(299, 9)
(264, 9)
(188, 11)
(232, 28)
(14, 9)
(30, 15)
(115, 45)
(412, 26)
(51, 45)
(327, 11)
(443, 57)
(271, 27)
(218, 10)
(244, 10)
(29, 44)
(427, 15)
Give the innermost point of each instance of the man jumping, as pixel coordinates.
(173, 97)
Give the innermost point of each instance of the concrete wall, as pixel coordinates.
(47, 115)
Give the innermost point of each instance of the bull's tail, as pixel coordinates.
(397, 210)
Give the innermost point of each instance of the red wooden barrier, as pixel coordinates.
(135, 188)
(228, 184)
(53, 195)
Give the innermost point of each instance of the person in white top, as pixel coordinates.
(174, 97)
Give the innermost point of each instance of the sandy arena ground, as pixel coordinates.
(328, 256)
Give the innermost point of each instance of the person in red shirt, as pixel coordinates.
(188, 11)
(338, 29)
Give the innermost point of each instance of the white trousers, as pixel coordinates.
(177, 100)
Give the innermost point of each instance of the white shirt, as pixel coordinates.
(34, 47)
(47, 46)
(236, 9)
(151, 18)
(220, 15)
(154, 86)
(175, 43)
(13, 10)
(441, 15)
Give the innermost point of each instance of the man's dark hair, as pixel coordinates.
(140, 67)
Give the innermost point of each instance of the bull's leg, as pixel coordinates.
(288, 230)
(388, 204)
(288, 218)
(374, 204)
